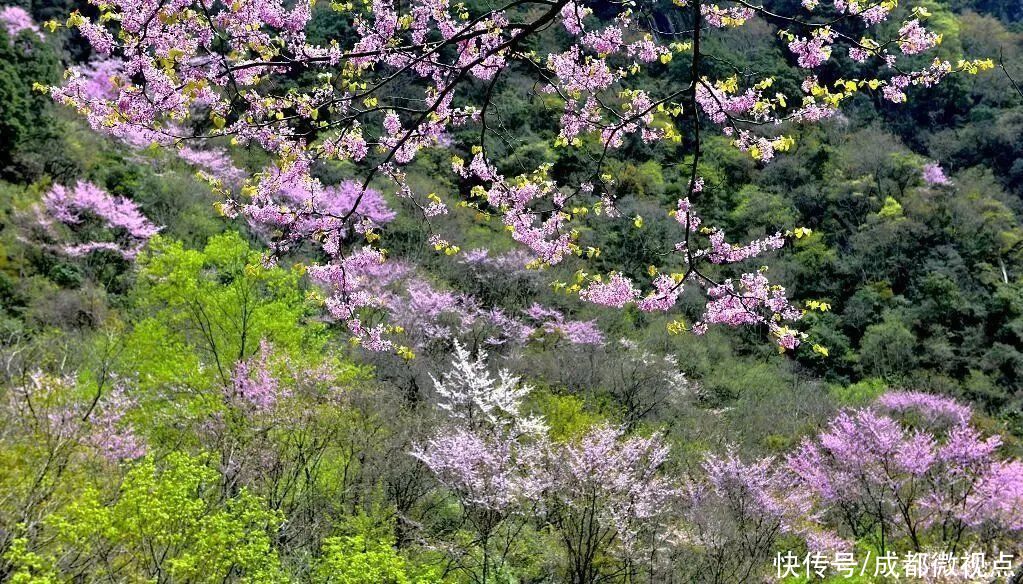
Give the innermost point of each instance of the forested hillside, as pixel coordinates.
(260, 323)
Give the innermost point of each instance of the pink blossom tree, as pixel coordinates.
(609, 500)
(909, 472)
(112, 433)
(933, 174)
(735, 514)
(487, 453)
(85, 208)
(605, 494)
(411, 74)
(733, 518)
(16, 19)
(253, 385)
(57, 425)
(42, 408)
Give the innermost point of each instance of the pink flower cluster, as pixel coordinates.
(110, 433)
(545, 237)
(487, 454)
(254, 385)
(721, 107)
(303, 209)
(15, 19)
(872, 477)
(577, 73)
(870, 12)
(71, 206)
(67, 205)
(429, 315)
(752, 300)
(719, 17)
(753, 502)
(812, 52)
(722, 252)
(617, 291)
(487, 472)
(618, 476)
(895, 90)
(915, 39)
(510, 262)
(216, 163)
(101, 91)
(553, 322)
(933, 408)
(352, 287)
(52, 405)
(934, 175)
(909, 479)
